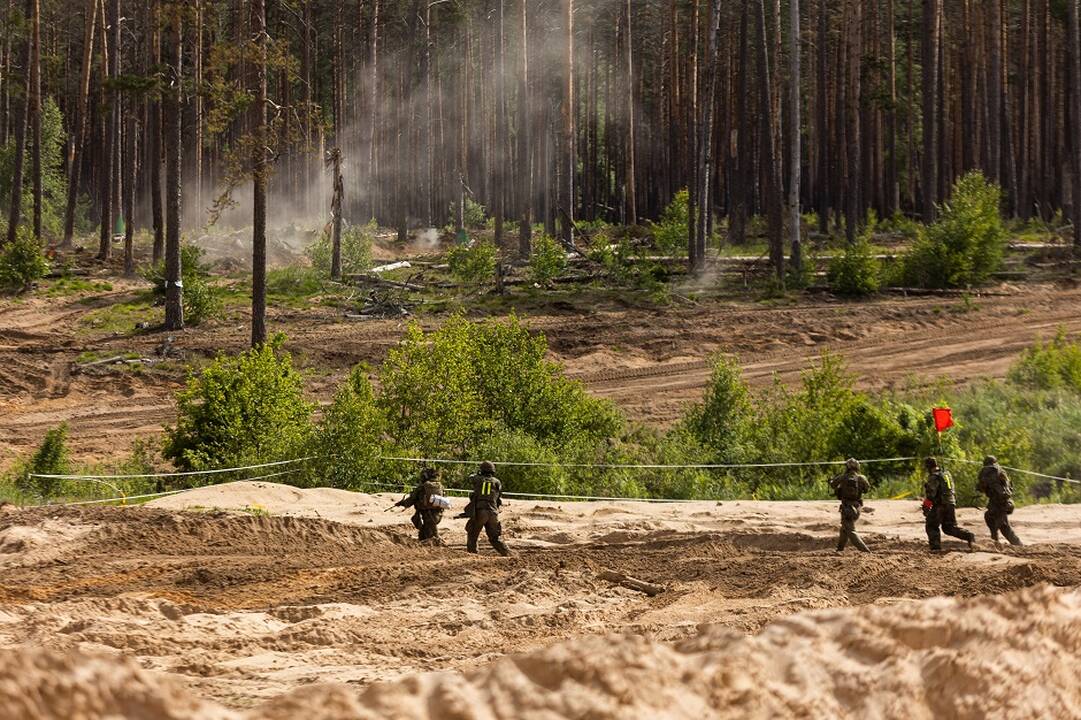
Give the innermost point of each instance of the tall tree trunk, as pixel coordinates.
(23, 119)
(129, 196)
(171, 105)
(154, 139)
(795, 129)
(632, 191)
(335, 163)
(822, 128)
(259, 179)
(773, 199)
(929, 189)
(1074, 43)
(569, 160)
(108, 98)
(35, 110)
(741, 153)
(853, 204)
(197, 98)
(373, 109)
(893, 193)
(704, 173)
(525, 144)
(78, 137)
(994, 91)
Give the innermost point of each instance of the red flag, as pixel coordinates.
(943, 418)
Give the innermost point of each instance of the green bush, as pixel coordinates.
(356, 249)
(473, 264)
(856, 272)
(349, 437)
(201, 299)
(476, 215)
(51, 458)
(22, 263)
(547, 260)
(446, 392)
(965, 246)
(1048, 366)
(725, 421)
(244, 409)
(670, 234)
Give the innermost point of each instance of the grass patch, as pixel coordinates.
(67, 286)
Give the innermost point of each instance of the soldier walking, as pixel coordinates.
(849, 488)
(483, 510)
(995, 484)
(427, 513)
(940, 507)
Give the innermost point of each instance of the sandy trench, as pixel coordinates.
(224, 611)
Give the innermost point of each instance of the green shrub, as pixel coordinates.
(447, 391)
(201, 299)
(547, 260)
(475, 216)
(356, 249)
(22, 263)
(349, 437)
(244, 409)
(670, 234)
(473, 264)
(51, 458)
(965, 246)
(724, 422)
(856, 271)
(1048, 366)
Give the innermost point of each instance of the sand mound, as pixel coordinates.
(1011, 656)
(39, 684)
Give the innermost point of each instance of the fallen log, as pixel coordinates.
(631, 583)
(365, 279)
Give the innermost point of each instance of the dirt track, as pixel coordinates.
(649, 362)
(243, 607)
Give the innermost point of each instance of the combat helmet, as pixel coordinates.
(852, 464)
(487, 468)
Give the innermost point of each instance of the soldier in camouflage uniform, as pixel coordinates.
(483, 510)
(940, 507)
(849, 488)
(426, 514)
(995, 484)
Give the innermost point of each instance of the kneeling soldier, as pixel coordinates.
(427, 513)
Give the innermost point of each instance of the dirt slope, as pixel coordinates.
(649, 362)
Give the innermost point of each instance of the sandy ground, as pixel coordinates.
(650, 362)
(225, 599)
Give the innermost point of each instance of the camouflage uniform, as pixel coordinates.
(483, 510)
(942, 513)
(995, 484)
(426, 518)
(849, 489)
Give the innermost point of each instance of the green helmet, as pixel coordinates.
(429, 473)
(487, 468)
(990, 460)
(852, 464)
(930, 463)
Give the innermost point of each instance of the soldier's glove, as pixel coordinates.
(927, 506)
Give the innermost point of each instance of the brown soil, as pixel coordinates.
(650, 362)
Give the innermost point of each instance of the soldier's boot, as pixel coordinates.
(859, 543)
(500, 546)
(842, 541)
(1011, 536)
